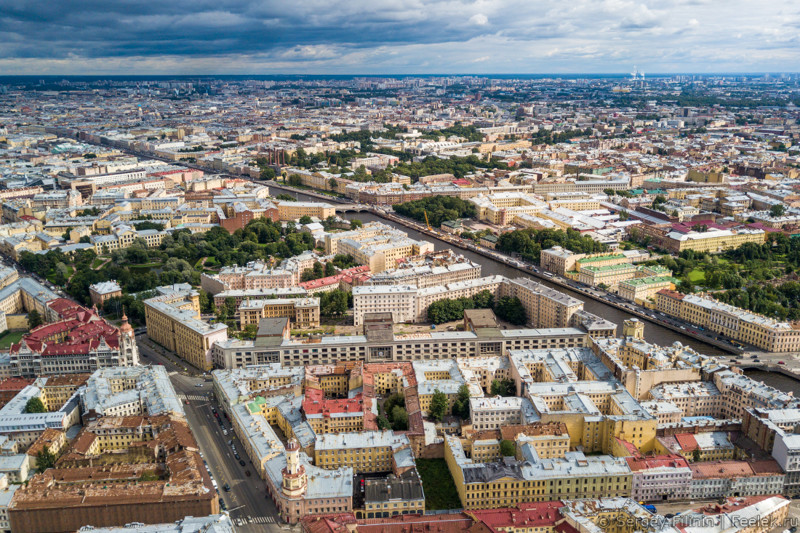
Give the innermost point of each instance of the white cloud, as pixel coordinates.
(390, 36)
(479, 19)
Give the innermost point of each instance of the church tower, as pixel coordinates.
(128, 350)
(294, 475)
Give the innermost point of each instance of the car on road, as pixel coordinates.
(198, 384)
(247, 473)
(226, 487)
(241, 462)
(781, 363)
(224, 431)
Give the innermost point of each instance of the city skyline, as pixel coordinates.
(504, 37)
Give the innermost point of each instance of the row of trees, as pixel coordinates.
(510, 309)
(457, 166)
(448, 309)
(438, 208)
(529, 243)
(548, 137)
(318, 271)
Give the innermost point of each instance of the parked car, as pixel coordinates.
(242, 462)
(226, 487)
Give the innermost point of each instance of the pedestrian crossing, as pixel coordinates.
(254, 520)
(193, 397)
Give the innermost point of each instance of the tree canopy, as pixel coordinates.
(529, 243)
(35, 405)
(439, 209)
(439, 405)
(510, 309)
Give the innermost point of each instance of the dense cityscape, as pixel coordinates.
(530, 304)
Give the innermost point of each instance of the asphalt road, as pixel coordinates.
(247, 503)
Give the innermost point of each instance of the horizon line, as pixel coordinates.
(397, 74)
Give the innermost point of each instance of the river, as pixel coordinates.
(652, 332)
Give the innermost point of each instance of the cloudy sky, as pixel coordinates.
(397, 36)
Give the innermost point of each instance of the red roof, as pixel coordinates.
(79, 331)
(687, 442)
(660, 461)
(14, 384)
(336, 278)
(315, 403)
(524, 515)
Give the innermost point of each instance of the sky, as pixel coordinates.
(177, 37)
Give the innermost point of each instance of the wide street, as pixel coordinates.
(249, 507)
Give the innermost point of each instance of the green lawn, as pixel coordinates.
(9, 338)
(696, 276)
(438, 484)
(97, 262)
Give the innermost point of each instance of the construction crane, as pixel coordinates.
(426, 220)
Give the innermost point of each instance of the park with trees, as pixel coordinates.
(438, 208)
(529, 243)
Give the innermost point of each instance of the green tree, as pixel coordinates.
(696, 455)
(529, 243)
(35, 405)
(393, 400)
(34, 319)
(461, 403)
(383, 423)
(305, 219)
(332, 183)
(503, 387)
(511, 310)
(206, 302)
(330, 270)
(267, 173)
(508, 448)
(777, 210)
(438, 208)
(334, 303)
(438, 406)
(45, 459)
(355, 224)
(399, 418)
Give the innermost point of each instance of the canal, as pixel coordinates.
(652, 332)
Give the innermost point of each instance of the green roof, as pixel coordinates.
(609, 268)
(601, 258)
(655, 268)
(255, 405)
(651, 280)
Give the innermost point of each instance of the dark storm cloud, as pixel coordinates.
(379, 36)
(93, 28)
